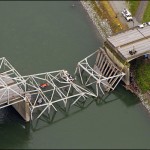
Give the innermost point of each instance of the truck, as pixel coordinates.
(127, 15)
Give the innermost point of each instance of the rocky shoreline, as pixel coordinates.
(101, 24)
(144, 100)
(104, 30)
(143, 97)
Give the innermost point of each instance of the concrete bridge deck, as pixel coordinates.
(137, 39)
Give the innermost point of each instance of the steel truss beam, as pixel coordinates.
(61, 88)
(12, 84)
(95, 77)
(44, 90)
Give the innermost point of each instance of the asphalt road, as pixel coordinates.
(140, 11)
(118, 6)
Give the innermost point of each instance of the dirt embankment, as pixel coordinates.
(113, 20)
(101, 24)
(104, 17)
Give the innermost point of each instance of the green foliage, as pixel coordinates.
(133, 6)
(105, 11)
(146, 17)
(143, 74)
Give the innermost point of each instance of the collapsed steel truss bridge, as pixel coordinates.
(42, 91)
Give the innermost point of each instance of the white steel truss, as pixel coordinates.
(12, 84)
(42, 91)
(103, 75)
(60, 88)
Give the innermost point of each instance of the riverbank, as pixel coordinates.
(142, 72)
(104, 17)
(102, 25)
(104, 29)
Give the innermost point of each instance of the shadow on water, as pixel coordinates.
(62, 113)
(12, 129)
(126, 96)
(10, 120)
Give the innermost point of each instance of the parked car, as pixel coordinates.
(143, 24)
(148, 23)
(127, 15)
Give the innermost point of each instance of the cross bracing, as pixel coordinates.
(103, 75)
(12, 84)
(44, 91)
(60, 89)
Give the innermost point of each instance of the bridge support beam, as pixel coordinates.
(23, 109)
(125, 68)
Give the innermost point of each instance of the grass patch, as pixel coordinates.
(133, 6)
(105, 11)
(146, 17)
(143, 74)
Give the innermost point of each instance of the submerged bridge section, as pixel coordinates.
(98, 73)
(38, 94)
(60, 90)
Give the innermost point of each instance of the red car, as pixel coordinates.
(44, 85)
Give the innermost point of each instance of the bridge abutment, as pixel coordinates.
(124, 66)
(23, 109)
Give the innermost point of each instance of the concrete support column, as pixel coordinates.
(23, 109)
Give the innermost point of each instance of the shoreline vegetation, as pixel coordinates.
(133, 6)
(146, 16)
(107, 24)
(142, 68)
(105, 11)
(101, 24)
(103, 17)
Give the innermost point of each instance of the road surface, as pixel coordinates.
(118, 6)
(140, 11)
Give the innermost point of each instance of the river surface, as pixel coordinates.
(51, 35)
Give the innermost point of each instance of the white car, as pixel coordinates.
(127, 15)
(143, 25)
(148, 23)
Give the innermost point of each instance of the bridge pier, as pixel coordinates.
(23, 109)
(124, 66)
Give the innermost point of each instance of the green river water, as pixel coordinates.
(44, 36)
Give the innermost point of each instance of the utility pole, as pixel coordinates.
(133, 23)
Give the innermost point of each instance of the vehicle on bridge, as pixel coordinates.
(66, 76)
(43, 85)
(144, 24)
